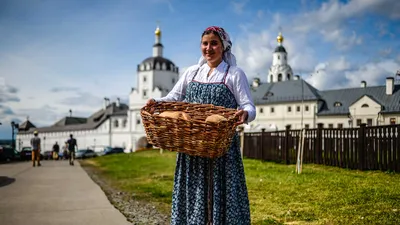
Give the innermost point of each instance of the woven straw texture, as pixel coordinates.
(195, 137)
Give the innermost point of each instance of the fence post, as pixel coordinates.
(262, 143)
(287, 133)
(361, 146)
(318, 147)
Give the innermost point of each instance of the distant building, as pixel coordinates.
(115, 124)
(287, 100)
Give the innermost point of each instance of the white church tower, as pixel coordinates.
(280, 69)
(156, 76)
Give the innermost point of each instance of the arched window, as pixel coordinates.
(116, 124)
(125, 123)
(158, 66)
(279, 57)
(365, 106)
(271, 78)
(279, 77)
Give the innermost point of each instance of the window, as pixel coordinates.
(279, 57)
(298, 108)
(340, 125)
(279, 77)
(337, 104)
(125, 123)
(330, 125)
(116, 124)
(307, 126)
(138, 121)
(144, 79)
(359, 122)
(392, 121)
(261, 110)
(144, 93)
(307, 108)
(173, 80)
(272, 110)
(289, 108)
(271, 78)
(365, 106)
(369, 122)
(288, 76)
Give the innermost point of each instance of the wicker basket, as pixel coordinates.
(194, 137)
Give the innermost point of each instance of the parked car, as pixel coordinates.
(85, 153)
(115, 150)
(26, 154)
(8, 154)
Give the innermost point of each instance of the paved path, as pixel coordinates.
(55, 193)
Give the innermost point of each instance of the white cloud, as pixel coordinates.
(238, 6)
(340, 74)
(333, 15)
(342, 40)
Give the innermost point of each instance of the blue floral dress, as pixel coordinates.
(230, 204)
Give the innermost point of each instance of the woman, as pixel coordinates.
(214, 80)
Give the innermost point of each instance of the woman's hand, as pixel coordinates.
(242, 116)
(151, 102)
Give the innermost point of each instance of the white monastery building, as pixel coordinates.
(285, 100)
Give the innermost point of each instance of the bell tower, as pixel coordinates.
(280, 69)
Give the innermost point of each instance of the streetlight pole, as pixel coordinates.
(302, 101)
(13, 126)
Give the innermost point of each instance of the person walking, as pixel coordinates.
(214, 80)
(71, 149)
(35, 143)
(56, 150)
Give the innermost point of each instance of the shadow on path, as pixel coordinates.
(4, 181)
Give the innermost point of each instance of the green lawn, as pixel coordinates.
(320, 195)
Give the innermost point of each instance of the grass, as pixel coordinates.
(320, 195)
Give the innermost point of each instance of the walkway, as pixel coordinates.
(53, 194)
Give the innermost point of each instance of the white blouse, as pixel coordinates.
(236, 81)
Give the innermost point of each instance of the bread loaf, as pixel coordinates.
(171, 114)
(175, 115)
(185, 116)
(215, 118)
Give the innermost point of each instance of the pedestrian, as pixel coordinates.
(214, 80)
(71, 149)
(35, 143)
(56, 150)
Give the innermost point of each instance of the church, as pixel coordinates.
(115, 124)
(284, 100)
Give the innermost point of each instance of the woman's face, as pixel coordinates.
(211, 48)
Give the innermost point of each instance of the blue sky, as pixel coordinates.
(62, 54)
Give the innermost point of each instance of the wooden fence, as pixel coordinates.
(363, 148)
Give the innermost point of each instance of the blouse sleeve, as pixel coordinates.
(241, 91)
(178, 92)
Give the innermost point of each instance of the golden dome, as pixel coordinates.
(280, 38)
(157, 32)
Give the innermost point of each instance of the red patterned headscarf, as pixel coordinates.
(228, 57)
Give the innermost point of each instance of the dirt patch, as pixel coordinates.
(137, 212)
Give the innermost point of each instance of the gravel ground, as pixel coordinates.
(137, 212)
